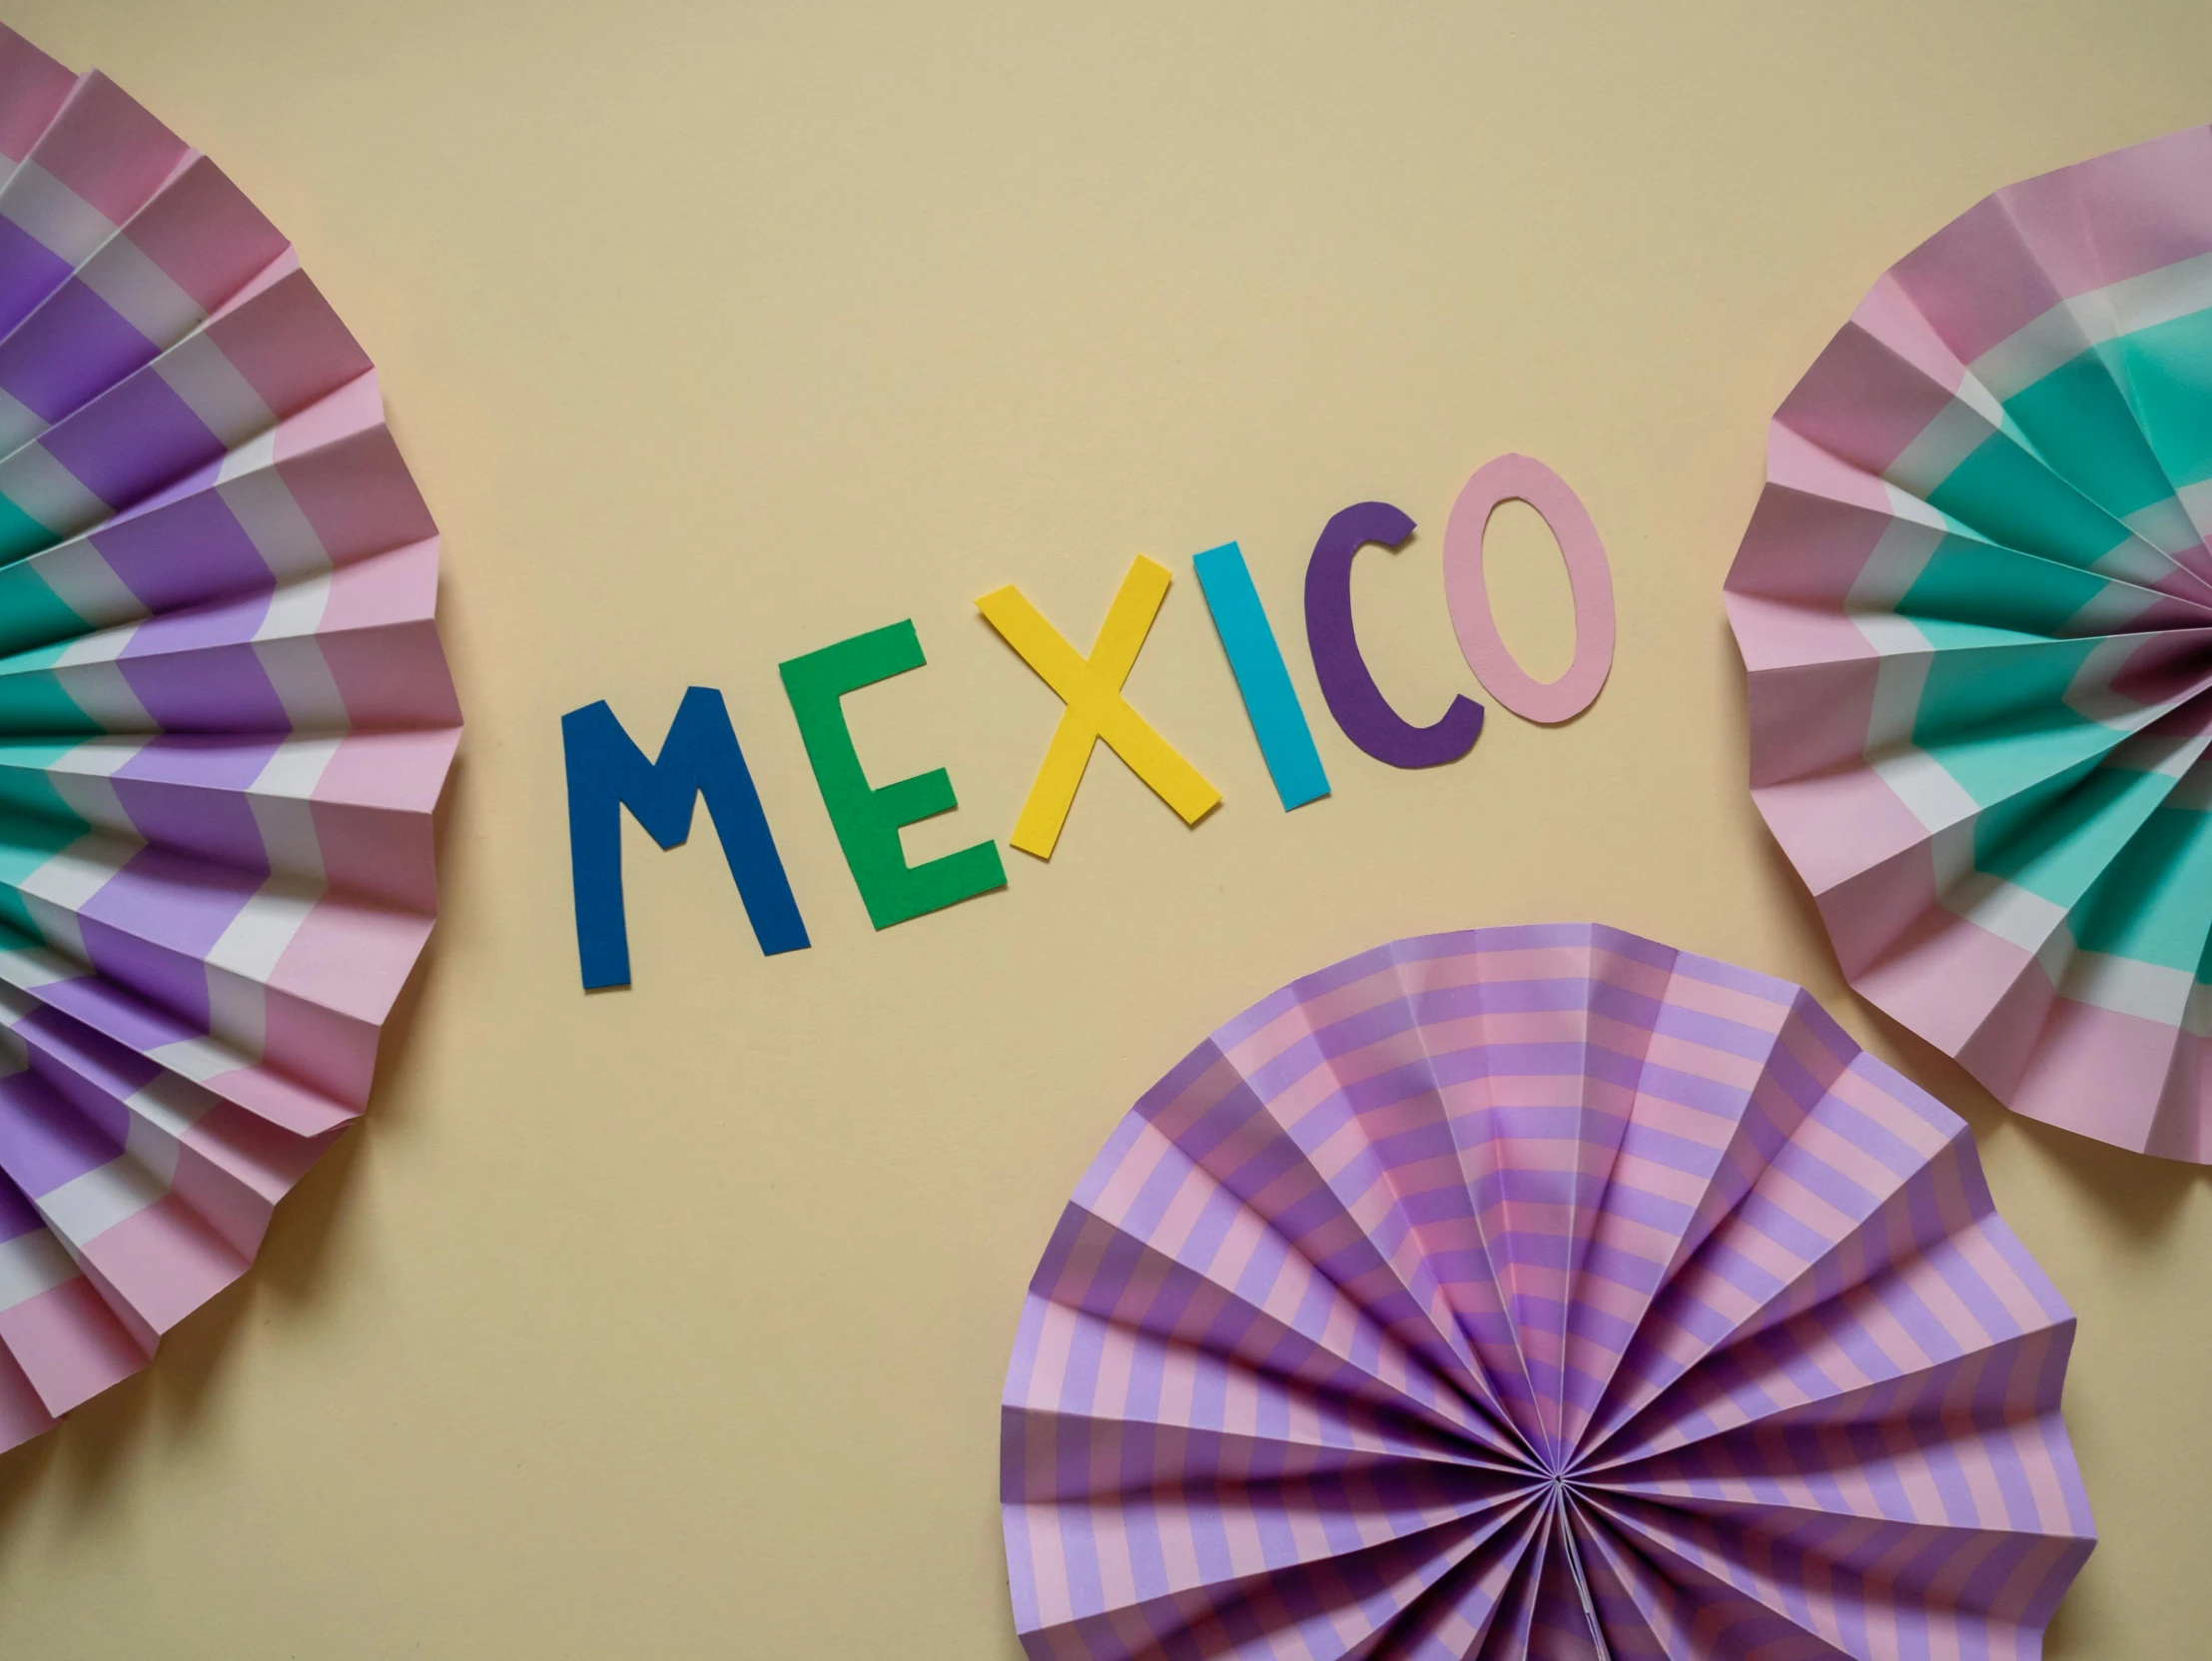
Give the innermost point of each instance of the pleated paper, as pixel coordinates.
(225, 721)
(1537, 1291)
(1975, 604)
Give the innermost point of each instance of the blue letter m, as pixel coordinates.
(699, 757)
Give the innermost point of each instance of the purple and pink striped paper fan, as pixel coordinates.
(224, 722)
(1537, 1291)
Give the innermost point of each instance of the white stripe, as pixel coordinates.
(141, 292)
(257, 937)
(2132, 560)
(292, 658)
(296, 609)
(1950, 851)
(257, 451)
(83, 777)
(82, 579)
(266, 510)
(19, 422)
(34, 967)
(213, 389)
(2090, 692)
(2110, 609)
(58, 928)
(100, 691)
(57, 216)
(161, 1113)
(2129, 986)
(2196, 502)
(297, 767)
(2072, 325)
(2006, 910)
(71, 876)
(92, 797)
(2164, 527)
(85, 1208)
(198, 1059)
(1900, 679)
(287, 836)
(283, 802)
(1918, 780)
(49, 492)
(238, 1014)
(1955, 434)
(101, 646)
(1897, 559)
(31, 1264)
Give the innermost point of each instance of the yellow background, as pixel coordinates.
(671, 1321)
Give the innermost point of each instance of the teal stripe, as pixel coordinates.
(25, 845)
(2008, 495)
(2168, 373)
(1967, 578)
(27, 788)
(2056, 840)
(2082, 425)
(20, 534)
(2155, 902)
(34, 705)
(31, 614)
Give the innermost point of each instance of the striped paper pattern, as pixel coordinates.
(1976, 607)
(1537, 1291)
(225, 721)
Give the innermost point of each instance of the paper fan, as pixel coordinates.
(1537, 1291)
(1975, 605)
(224, 723)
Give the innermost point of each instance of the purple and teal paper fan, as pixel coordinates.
(225, 723)
(1975, 609)
(1537, 1291)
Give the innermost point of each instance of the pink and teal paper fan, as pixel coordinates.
(225, 721)
(1976, 608)
(1537, 1291)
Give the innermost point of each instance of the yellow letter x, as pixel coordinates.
(1091, 690)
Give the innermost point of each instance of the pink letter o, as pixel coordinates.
(1524, 478)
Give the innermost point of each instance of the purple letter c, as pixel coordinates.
(1353, 697)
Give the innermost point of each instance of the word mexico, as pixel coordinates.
(700, 757)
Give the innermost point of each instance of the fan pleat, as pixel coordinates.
(225, 723)
(1745, 1362)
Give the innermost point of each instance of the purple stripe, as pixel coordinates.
(76, 347)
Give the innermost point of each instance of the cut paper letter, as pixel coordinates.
(1262, 680)
(1974, 604)
(1537, 1294)
(225, 724)
(1350, 691)
(868, 818)
(1526, 480)
(607, 772)
(1091, 689)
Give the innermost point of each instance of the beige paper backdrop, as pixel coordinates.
(670, 1322)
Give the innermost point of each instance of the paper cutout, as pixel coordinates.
(1976, 608)
(1524, 478)
(1262, 680)
(868, 818)
(700, 757)
(226, 718)
(1091, 689)
(1537, 1291)
(1353, 697)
